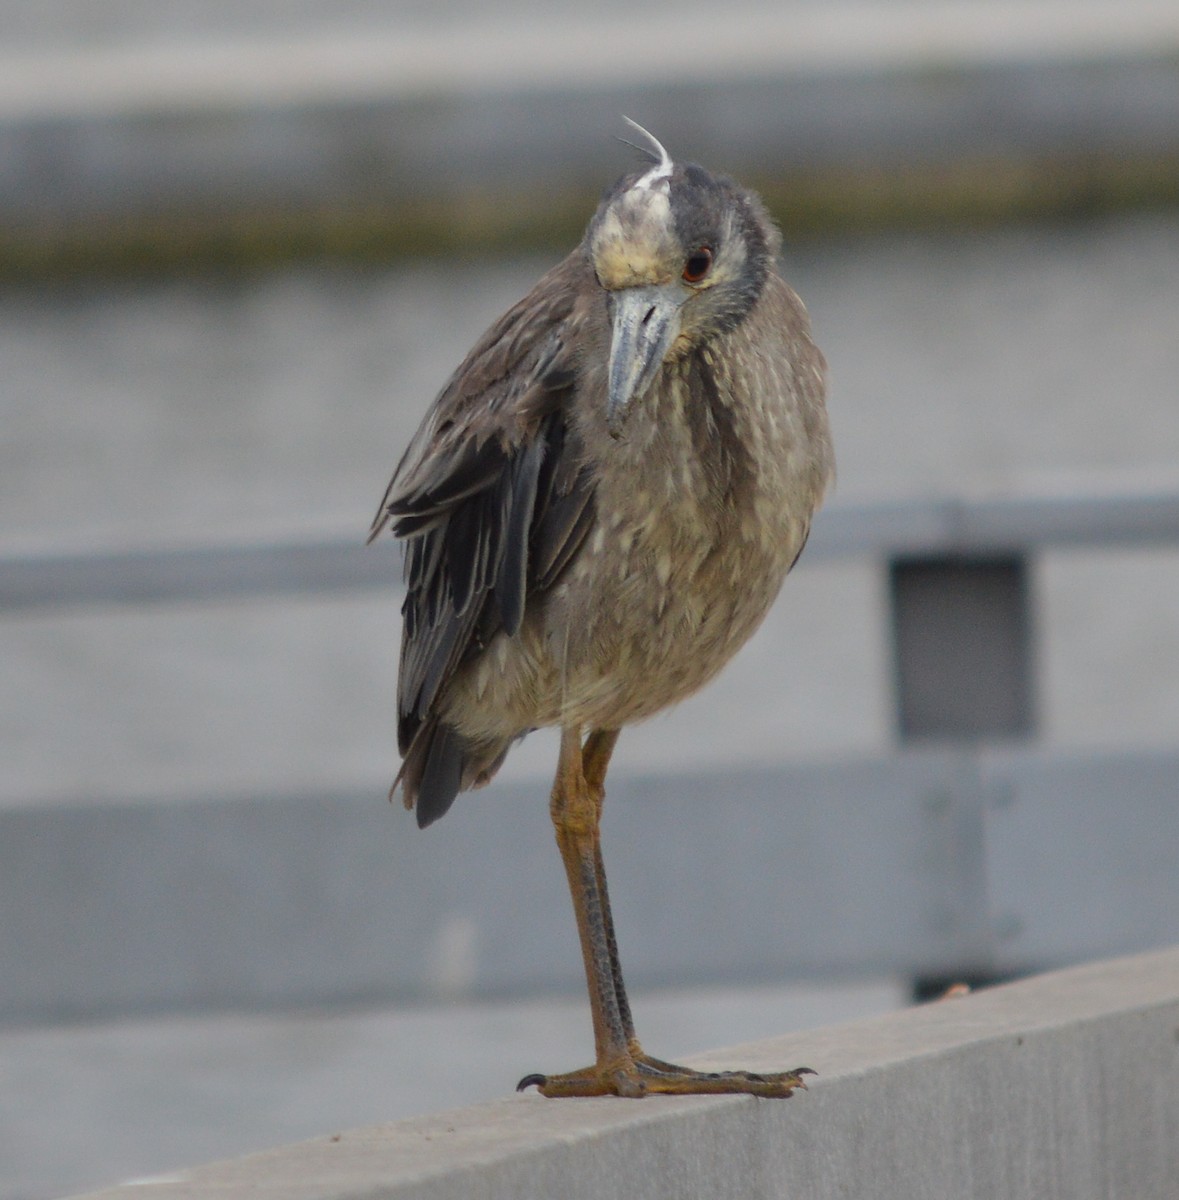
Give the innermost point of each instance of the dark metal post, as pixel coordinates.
(962, 636)
(962, 639)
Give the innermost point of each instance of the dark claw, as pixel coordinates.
(531, 1081)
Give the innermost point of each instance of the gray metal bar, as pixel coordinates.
(957, 526)
(195, 573)
(279, 901)
(338, 564)
(921, 862)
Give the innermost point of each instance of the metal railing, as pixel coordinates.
(954, 854)
(341, 562)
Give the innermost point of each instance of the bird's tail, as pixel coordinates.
(439, 764)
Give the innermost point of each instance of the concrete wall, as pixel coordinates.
(1062, 1087)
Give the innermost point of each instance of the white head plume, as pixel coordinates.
(663, 167)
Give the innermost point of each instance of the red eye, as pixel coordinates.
(697, 264)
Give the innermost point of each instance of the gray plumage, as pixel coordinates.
(603, 501)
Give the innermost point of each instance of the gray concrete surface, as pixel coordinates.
(1058, 1088)
(86, 1106)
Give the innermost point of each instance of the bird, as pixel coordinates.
(596, 513)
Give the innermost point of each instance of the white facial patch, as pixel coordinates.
(634, 242)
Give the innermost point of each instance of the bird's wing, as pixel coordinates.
(491, 496)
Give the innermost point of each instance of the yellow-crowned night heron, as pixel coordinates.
(598, 510)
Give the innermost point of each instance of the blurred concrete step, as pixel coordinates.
(435, 134)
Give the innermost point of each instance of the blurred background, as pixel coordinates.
(242, 246)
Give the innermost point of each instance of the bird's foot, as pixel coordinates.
(641, 1075)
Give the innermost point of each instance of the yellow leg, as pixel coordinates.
(595, 759)
(621, 1067)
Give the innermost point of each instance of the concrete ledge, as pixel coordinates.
(1063, 1087)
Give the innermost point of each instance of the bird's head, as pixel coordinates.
(682, 257)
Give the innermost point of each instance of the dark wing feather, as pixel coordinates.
(471, 469)
(492, 502)
(563, 511)
(511, 581)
